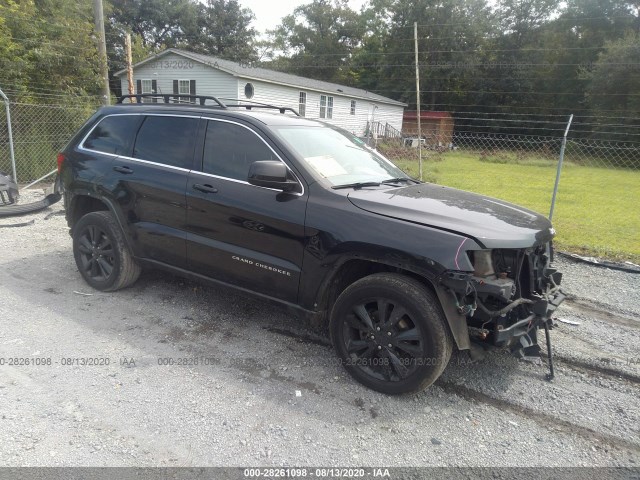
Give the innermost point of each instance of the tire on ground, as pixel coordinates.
(423, 309)
(125, 270)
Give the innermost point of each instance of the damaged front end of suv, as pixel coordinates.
(509, 296)
(494, 277)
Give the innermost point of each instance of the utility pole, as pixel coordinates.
(127, 45)
(415, 37)
(102, 50)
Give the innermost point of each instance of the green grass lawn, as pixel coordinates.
(597, 210)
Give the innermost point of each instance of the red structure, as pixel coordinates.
(437, 127)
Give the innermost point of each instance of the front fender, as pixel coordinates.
(318, 293)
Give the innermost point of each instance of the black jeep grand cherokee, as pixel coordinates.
(300, 212)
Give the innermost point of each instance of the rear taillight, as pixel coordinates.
(60, 161)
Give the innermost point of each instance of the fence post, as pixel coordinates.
(9, 131)
(561, 159)
(373, 123)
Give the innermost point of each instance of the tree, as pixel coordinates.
(613, 84)
(158, 23)
(319, 39)
(520, 20)
(48, 46)
(219, 27)
(447, 42)
(223, 30)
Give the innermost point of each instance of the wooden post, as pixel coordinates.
(132, 89)
(102, 50)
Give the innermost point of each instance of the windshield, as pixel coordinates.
(340, 157)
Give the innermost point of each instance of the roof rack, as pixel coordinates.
(175, 98)
(251, 104)
(168, 97)
(281, 109)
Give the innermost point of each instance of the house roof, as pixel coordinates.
(266, 75)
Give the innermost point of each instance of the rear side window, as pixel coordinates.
(229, 149)
(114, 135)
(166, 140)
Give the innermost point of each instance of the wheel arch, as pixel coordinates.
(353, 268)
(83, 203)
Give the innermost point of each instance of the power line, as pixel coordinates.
(466, 23)
(502, 92)
(546, 108)
(605, 17)
(54, 44)
(550, 115)
(447, 64)
(561, 122)
(480, 50)
(50, 54)
(36, 92)
(35, 18)
(527, 128)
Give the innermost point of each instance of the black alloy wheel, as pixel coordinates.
(390, 333)
(101, 253)
(96, 253)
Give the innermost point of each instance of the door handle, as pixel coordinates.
(205, 188)
(122, 169)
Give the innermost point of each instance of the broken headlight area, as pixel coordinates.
(509, 295)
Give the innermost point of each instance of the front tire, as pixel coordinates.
(101, 253)
(390, 333)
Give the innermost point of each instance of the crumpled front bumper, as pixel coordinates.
(541, 312)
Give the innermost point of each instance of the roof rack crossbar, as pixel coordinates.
(167, 97)
(260, 105)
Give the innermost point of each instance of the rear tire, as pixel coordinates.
(101, 253)
(390, 333)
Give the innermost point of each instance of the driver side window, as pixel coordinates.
(229, 150)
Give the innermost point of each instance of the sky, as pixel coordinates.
(269, 12)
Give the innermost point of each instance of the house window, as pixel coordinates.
(326, 106)
(302, 104)
(146, 86)
(353, 107)
(184, 87)
(248, 90)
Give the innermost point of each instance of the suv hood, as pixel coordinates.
(492, 222)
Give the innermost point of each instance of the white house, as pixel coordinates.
(179, 71)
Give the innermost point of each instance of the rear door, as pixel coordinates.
(149, 185)
(238, 233)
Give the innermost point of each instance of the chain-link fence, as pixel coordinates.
(496, 148)
(5, 142)
(599, 184)
(40, 130)
(596, 208)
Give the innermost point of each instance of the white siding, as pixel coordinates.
(287, 96)
(209, 81)
(212, 81)
(391, 114)
(264, 92)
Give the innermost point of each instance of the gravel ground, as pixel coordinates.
(266, 392)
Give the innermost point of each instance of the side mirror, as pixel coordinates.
(271, 174)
